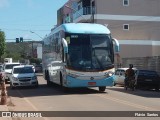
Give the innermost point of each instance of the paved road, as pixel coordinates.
(55, 99)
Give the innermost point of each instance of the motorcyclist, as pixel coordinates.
(129, 74)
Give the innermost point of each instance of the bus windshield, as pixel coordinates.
(90, 51)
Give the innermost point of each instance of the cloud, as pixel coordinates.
(4, 3)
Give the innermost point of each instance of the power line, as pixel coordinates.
(22, 30)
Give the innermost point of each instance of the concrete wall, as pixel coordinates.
(136, 7)
(143, 37)
(39, 52)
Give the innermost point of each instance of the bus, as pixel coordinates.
(79, 55)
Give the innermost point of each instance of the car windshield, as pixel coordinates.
(10, 66)
(23, 70)
(90, 52)
(148, 73)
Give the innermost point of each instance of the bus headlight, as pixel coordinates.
(109, 74)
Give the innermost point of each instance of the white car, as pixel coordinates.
(8, 69)
(23, 76)
(120, 75)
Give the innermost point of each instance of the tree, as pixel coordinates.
(2, 44)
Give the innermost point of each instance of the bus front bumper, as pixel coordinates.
(72, 82)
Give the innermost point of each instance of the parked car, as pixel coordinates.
(23, 76)
(38, 68)
(8, 69)
(148, 79)
(120, 75)
(32, 67)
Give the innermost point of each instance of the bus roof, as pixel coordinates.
(83, 28)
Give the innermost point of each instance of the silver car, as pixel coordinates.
(23, 76)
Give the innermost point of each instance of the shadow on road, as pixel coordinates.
(44, 90)
(138, 92)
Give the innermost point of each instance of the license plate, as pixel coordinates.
(25, 83)
(92, 83)
(148, 80)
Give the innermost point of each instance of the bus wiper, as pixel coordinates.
(109, 66)
(100, 64)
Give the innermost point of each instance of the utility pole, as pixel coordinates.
(32, 50)
(92, 15)
(93, 10)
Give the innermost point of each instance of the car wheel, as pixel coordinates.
(157, 88)
(102, 89)
(37, 85)
(114, 84)
(6, 81)
(11, 86)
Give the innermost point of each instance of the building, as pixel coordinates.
(39, 51)
(135, 23)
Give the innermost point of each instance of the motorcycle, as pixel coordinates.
(130, 83)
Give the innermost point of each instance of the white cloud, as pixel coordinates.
(4, 3)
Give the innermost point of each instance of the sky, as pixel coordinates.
(19, 17)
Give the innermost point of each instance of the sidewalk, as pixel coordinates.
(4, 108)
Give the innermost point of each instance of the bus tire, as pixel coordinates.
(66, 89)
(48, 83)
(102, 89)
(46, 75)
(48, 80)
(61, 80)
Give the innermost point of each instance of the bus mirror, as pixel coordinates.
(65, 45)
(116, 45)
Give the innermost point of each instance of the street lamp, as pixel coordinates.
(32, 41)
(36, 34)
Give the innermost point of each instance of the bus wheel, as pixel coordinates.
(48, 81)
(61, 80)
(102, 89)
(66, 89)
